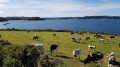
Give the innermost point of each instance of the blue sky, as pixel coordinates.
(59, 8)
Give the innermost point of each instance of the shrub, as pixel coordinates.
(2, 42)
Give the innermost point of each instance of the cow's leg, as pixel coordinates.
(50, 52)
(79, 56)
(88, 49)
(57, 51)
(100, 63)
(37, 39)
(94, 49)
(76, 57)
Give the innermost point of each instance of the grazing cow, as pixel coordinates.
(112, 61)
(109, 38)
(87, 38)
(99, 36)
(0, 36)
(94, 57)
(78, 33)
(73, 39)
(63, 33)
(28, 31)
(53, 47)
(112, 37)
(95, 35)
(102, 40)
(81, 33)
(91, 47)
(111, 56)
(35, 37)
(39, 46)
(72, 32)
(78, 39)
(77, 53)
(54, 34)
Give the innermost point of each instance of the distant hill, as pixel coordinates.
(38, 18)
(88, 17)
(2, 19)
(24, 18)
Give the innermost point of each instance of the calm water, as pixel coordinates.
(94, 25)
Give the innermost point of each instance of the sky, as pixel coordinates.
(59, 8)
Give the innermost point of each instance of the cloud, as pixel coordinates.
(2, 1)
(1, 5)
(1, 12)
(54, 8)
(28, 12)
(64, 7)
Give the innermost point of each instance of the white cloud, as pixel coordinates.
(54, 8)
(2, 1)
(28, 12)
(1, 12)
(61, 7)
(1, 5)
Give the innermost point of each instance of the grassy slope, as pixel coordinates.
(66, 47)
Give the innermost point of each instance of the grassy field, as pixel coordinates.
(66, 47)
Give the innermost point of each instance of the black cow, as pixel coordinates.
(99, 36)
(73, 39)
(95, 35)
(0, 36)
(93, 57)
(28, 31)
(72, 32)
(54, 34)
(112, 37)
(35, 37)
(53, 47)
(87, 38)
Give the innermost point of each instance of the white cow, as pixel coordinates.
(77, 53)
(63, 33)
(102, 40)
(91, 47)
(111, 60)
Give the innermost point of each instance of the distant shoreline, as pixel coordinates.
(50, 30)
(38, 18)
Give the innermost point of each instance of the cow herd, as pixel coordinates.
(76, 53)
(91, 57)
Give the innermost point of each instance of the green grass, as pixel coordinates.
(66, 47)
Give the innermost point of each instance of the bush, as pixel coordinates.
(28, 56)
(2, 42)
